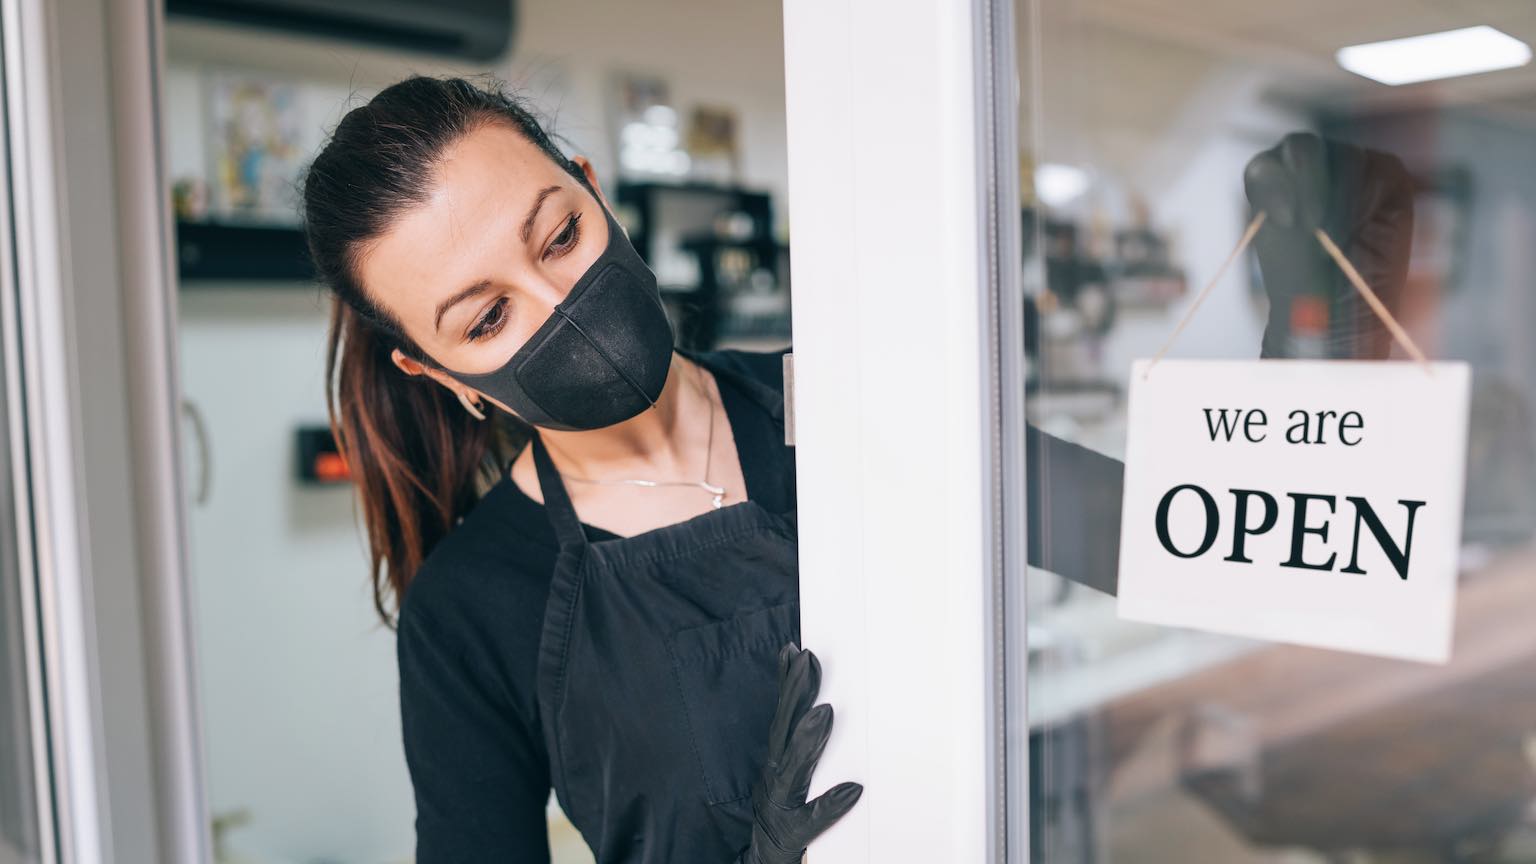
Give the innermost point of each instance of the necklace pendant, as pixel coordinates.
(717, 491)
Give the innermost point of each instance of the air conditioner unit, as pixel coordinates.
(478, 30)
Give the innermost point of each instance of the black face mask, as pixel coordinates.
(600, 358)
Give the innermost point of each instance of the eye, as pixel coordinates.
(567, 239)
(491, 322)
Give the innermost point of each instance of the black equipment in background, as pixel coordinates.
(478, 30)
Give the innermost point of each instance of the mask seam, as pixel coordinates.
(599, 348)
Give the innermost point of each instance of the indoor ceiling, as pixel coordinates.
(1132, 86)
(1301, 36)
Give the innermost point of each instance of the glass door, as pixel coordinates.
(1151, 133)
(26, 803)
(24, 837)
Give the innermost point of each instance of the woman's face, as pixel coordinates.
(473, 271)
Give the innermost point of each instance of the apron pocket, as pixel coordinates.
(727, 679)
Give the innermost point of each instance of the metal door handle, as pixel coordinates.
(204, 483)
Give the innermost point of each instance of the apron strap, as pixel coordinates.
(562, 514)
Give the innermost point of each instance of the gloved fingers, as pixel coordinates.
(1380, 242)
(788, 788)
(798, 687)
(1287, 182)
(828, 807)
(1363, 199)
(1377, 239)
(1269, 187)
(1290, 181)
(779, 730)
(1396, 187)
(1305, 182)
(786, 653)
(1351, 192)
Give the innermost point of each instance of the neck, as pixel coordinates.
(664, 440)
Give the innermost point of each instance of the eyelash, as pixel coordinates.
(572, 230)
(491, 322)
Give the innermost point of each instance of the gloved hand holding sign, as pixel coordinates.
(1363, 199)
(783, 822)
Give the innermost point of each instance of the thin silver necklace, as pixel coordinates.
(718, 492)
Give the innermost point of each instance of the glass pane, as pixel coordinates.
(1139, 121)
(18, 803)
(20, 829)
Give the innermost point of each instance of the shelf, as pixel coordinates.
(234, 252)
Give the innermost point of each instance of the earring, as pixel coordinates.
(472, 407)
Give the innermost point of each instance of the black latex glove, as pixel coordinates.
(1364, 200)
(783, 822)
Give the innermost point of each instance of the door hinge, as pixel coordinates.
(789, 399)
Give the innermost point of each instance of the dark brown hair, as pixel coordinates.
(416, 456)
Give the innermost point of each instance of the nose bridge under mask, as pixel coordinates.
(597, 346)
(600, 357)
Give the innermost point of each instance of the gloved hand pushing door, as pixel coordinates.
(783, 822)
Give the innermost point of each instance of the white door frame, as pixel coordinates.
(96, 309)
(898, 282)
(901, 294)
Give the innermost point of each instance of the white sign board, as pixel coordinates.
(1311, 502)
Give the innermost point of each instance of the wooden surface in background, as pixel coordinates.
(1329, 750)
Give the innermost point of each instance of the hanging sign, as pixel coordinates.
(1310, 502)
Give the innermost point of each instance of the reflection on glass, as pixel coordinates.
(1142, 121)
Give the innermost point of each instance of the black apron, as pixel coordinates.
(657, 665)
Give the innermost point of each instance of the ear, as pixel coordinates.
(408, 365)
(412, 366)
(591, 174)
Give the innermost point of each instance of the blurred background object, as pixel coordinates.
(472, 30)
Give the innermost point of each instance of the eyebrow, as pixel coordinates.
(465, 294)
(533, 212)
(525, 232)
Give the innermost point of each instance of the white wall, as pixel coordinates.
(298, 678)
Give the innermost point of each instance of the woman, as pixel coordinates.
(590, 535)
(607, 617)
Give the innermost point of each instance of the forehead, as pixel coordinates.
(492, 150)
(483, 183)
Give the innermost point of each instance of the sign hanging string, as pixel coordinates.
(1380, 309)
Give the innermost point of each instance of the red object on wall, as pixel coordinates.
(331, 468)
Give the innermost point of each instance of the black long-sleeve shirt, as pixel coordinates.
(470, 623)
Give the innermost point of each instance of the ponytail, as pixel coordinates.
(417, 459)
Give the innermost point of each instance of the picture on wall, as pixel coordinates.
(713, 144)
(645, 123)
(254, 152)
